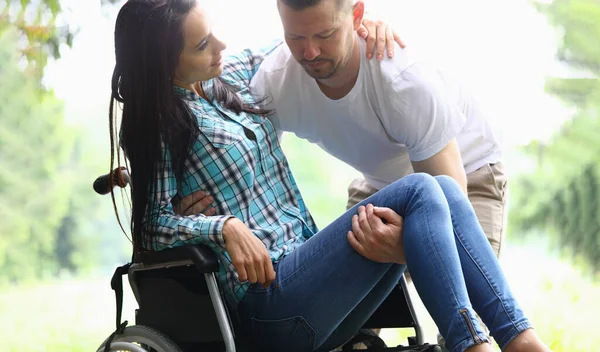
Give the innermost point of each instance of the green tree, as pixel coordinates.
(50, 219)
(36, 23)
(34, 145)
(42, 30)
(562, 194)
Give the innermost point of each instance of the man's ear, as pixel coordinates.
(358, 12)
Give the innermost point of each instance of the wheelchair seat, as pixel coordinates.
(203, 257)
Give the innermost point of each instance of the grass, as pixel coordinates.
(68, 315)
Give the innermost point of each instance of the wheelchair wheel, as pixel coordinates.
(139, 338)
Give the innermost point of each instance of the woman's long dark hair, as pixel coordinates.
(148, 42)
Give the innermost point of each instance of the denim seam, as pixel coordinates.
(485, 275)
(516, 330)
(493, 287)
(444, 273)
(436, 252)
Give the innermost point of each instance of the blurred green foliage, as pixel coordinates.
(562, 194)
(34, 147)
(50, 221)
(40, 35)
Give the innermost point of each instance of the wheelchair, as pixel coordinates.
(182, 309)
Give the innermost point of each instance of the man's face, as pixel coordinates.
(320, 37)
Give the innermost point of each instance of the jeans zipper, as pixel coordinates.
(476, 337)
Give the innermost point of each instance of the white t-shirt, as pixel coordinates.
(397, 112)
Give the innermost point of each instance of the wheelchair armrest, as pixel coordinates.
(204, 258)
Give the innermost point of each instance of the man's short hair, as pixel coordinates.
(304, 4)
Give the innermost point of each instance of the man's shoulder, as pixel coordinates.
(406, 69)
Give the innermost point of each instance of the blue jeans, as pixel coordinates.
(325, 291)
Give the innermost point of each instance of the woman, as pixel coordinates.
(190, 123)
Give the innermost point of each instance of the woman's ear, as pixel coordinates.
(358, 12)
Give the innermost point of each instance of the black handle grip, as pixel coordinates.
(120, 177)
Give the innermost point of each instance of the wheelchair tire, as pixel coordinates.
(151, 339)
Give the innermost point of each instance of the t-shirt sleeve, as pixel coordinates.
(423, 114)
(262, 90)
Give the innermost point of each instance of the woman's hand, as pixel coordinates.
(248, 254)
(375, 240)
(379, 36)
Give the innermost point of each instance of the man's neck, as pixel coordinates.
(342, 83)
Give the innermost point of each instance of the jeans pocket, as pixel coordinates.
(291, 334)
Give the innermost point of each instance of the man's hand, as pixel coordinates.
(195, 203)
(248, 254)
(375, 240)
(378, 35)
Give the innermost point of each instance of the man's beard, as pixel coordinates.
(329, 70)
(334, 68)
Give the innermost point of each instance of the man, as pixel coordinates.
(386, 119)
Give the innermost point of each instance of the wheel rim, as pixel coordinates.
(124, 346)
(132, 344)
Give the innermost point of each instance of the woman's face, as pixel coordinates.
(200, 59)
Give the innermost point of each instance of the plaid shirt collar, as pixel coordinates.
(190, 95)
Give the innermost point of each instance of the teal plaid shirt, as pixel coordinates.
(238, 160)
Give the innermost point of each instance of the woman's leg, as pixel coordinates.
(357, 318)
(488, 289)
(322, 282)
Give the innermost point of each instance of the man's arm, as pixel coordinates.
(446, 162)
(425, 116)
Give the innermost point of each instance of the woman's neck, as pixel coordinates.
(195, 87)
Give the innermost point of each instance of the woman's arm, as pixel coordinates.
(241, 67)
(379, 36)
(248, 254)
(170, 229)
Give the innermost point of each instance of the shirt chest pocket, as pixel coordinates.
(219, 134)
(230, 145)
